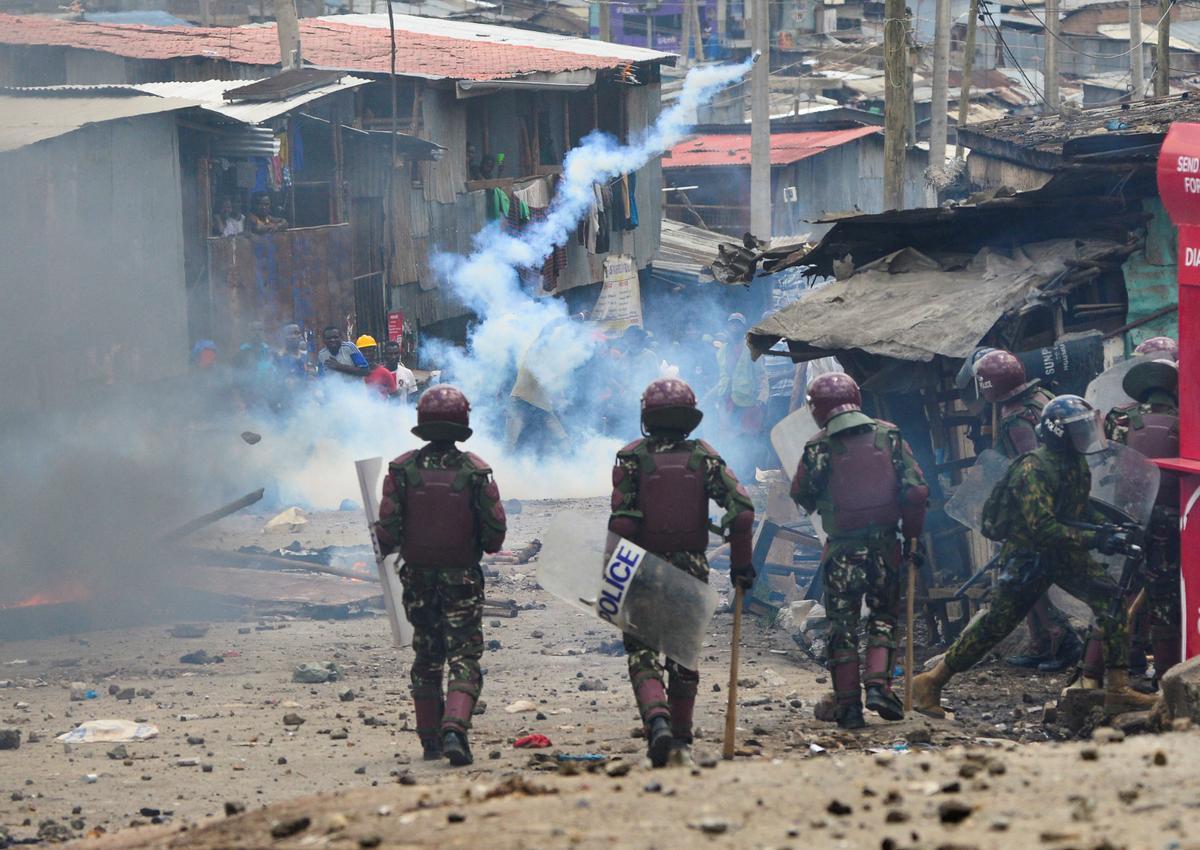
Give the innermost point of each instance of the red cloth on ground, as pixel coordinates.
(532, 742)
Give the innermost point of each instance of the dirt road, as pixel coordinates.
(223, 740)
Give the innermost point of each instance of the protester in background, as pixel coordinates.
(292, 360)
(341, 356)
(532, 413)
(204, 354)
(742, 392)
(406, 381)
(379, 377)
(261, 220)
(227, 222)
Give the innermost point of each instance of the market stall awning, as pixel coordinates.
(910, 307)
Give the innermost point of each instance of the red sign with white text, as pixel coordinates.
(1179, 188)
(396, 325)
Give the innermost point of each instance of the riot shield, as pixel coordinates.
(1124, 480)
(1124, 485)
(627, 587)
(1105, 392)
(1124, 489)
(788, 438)
(368, 482)
(966, 504)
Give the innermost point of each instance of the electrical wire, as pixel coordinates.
(1000, 37)
(1076, 50)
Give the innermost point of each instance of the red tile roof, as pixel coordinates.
(734, 149)
(326, 43)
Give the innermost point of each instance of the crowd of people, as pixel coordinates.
(272, 377)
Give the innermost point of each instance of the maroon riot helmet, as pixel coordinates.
(831, 396)
(1000, 375)
(669, 404)
(1159, 346)
(443, 415)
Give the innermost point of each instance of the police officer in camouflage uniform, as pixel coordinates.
(661, 488)
(1031, 509)
(860, 476)
(1018, 403)
(441, 510)
(1150, 425)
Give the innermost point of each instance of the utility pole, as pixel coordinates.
(697, 32)
(287, 26)
(605, 16)
(760, 121)
(1162, 60)
(968, 67)
(895, 102)
(1137, 66)
(685, 38)
(1050, 69)
(941, 85)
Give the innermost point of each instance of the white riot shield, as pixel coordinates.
(1105, 391)
(788, 437)
(368, 481)
(966, 503)
(631, 589)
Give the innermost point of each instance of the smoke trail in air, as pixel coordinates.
(521, 332)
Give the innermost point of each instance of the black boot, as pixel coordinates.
(456, 749)
(658, 741)
(431, 750)
(884, 703)
(850, 716)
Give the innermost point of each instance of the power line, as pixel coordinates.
(1067, 44)
(1004, 45)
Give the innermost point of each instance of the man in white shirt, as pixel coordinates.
(406, 381)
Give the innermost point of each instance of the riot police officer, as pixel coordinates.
(1018, 405)
(859, 475)
(1150, 425)
(1036, 510)
(441, 510)
(661, 488)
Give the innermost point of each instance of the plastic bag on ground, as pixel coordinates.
(109, 732)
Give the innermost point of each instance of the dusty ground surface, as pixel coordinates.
(223, 740)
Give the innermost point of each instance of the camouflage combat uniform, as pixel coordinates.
(1044, 489)
(1016, 435)
(722, 487)
(860, 562)
(1162, 564)
(443, 602)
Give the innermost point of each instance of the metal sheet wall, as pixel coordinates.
(303, 275)
(91, 263)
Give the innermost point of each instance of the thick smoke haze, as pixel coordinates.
(86, 495)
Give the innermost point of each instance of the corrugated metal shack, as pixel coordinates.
(510, 101)
(912, 293)
(815, 174)
(89, 270)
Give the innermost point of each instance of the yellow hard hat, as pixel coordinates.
(366, 341)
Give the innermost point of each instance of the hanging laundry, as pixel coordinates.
(496, 203)
(631, 211)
